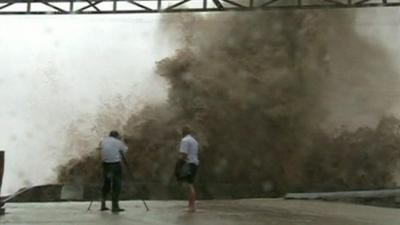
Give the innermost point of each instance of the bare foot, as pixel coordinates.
(191, 210)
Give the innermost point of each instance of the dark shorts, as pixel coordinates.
(185, 172)
(193, 171)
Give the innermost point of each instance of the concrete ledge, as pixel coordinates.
(138, 190)
(385, 193)
(41, 193)
(72, 192)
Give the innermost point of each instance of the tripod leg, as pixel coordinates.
(90, 205)
(131, 175)
(145, 205)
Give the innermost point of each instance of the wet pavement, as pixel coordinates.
(216, 212)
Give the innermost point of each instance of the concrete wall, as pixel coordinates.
(1, 168)
(1, 178)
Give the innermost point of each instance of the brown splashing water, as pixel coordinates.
(265, 92)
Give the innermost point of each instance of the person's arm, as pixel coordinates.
(123, 148)
(183, 156)
(183, 150)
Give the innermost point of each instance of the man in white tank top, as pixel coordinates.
(189, 149)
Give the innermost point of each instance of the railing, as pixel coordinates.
(37, 7)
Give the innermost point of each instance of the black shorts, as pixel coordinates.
(193, 171)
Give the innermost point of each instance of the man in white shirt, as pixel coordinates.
(111, 149)
(189, 149)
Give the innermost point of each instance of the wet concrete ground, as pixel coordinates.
(229, 212)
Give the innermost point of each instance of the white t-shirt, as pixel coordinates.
(110, 149)
(190, 147)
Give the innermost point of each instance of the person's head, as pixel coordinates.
(185, 131)
(114, 134)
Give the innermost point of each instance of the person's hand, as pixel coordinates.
(125, 139)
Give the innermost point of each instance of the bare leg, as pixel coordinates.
(192, 198)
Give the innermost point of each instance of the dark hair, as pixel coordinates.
(186, 130)
(114, 134)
